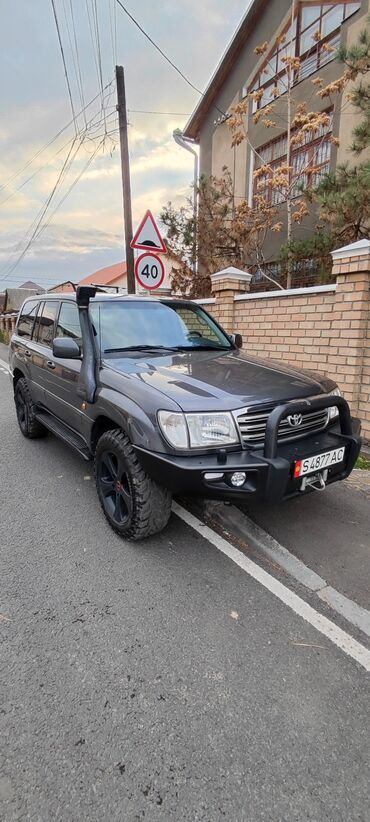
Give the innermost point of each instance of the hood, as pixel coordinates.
(211, 380)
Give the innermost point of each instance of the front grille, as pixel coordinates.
(252, 425)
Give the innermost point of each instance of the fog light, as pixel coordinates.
(238, 479)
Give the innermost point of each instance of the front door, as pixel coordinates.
(65, 373)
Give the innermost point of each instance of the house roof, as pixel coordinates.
(31, 284)
(106, 276)
(226, 63)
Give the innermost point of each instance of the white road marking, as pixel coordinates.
(241, 524)
(336, 635)
(4, 367)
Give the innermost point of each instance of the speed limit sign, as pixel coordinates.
(149, 271)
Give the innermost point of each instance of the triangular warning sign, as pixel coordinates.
(148, 235)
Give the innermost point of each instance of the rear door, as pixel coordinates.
(43, 335)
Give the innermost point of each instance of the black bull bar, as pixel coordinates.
(299, 407)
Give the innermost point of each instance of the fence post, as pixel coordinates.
(351, 265)
(225, 285)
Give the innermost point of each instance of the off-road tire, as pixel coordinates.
(25, 409)
(150, 503)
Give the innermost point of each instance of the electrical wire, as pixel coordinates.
(167, 113)
(79, 87)
(168, 60)
(76, 60)
(94, 50)
(113, 29)
(37, 226)
(90, 126)
(97, 35)
(33, 228)
(64, 64)
(50, 142)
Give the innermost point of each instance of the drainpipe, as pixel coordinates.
(183, 141)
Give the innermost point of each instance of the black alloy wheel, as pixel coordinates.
(134, 504)
(26, 412)
(115, 488)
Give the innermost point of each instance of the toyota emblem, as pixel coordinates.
(295, 420)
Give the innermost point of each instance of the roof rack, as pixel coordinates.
(102, 287)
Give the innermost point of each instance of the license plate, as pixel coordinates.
(310, 465)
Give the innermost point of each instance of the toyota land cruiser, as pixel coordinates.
(165, 402)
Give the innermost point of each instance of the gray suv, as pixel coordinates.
(165, 402)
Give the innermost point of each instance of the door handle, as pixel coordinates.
(50, 364)
(28, 353)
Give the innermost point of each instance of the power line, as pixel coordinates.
(168, 60)
(113, 29)
(167, 113)
(74, 52)
(38, 219)
(90, 127)
(50, 142)
(64, 63)
(94, 48)
(37, 226)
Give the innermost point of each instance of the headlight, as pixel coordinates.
(211, 429)
(333, 411)
(198, 430)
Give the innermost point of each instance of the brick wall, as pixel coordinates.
(293, 328)
(324, 329)
(364, 404)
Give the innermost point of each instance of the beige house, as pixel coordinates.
(313, 35)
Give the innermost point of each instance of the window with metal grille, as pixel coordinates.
(314, 37)
(310, 162)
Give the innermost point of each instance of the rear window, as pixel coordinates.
(27, 319)
(46, 323)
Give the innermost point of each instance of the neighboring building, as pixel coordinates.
(242, 71)
(33, 286)
(116, 275)
(15, 297)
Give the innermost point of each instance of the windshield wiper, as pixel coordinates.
(168, 348)
(141, 348)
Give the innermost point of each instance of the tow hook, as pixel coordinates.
(317, 482)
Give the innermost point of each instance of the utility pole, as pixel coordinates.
(125, 169)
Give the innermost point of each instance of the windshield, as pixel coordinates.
(125, 325)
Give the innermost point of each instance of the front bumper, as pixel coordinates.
(269, 472)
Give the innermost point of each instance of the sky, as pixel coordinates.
(82, 230)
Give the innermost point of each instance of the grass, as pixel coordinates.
(363, 463)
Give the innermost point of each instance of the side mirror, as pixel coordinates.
(66, 348)
(237, 339)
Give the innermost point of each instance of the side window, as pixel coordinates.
(45, 331)
(27, 319)
(69, 323)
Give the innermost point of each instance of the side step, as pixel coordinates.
(64, 433)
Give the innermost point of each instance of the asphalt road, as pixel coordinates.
(157, 681)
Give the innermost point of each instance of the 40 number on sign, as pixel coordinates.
(149, 271)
